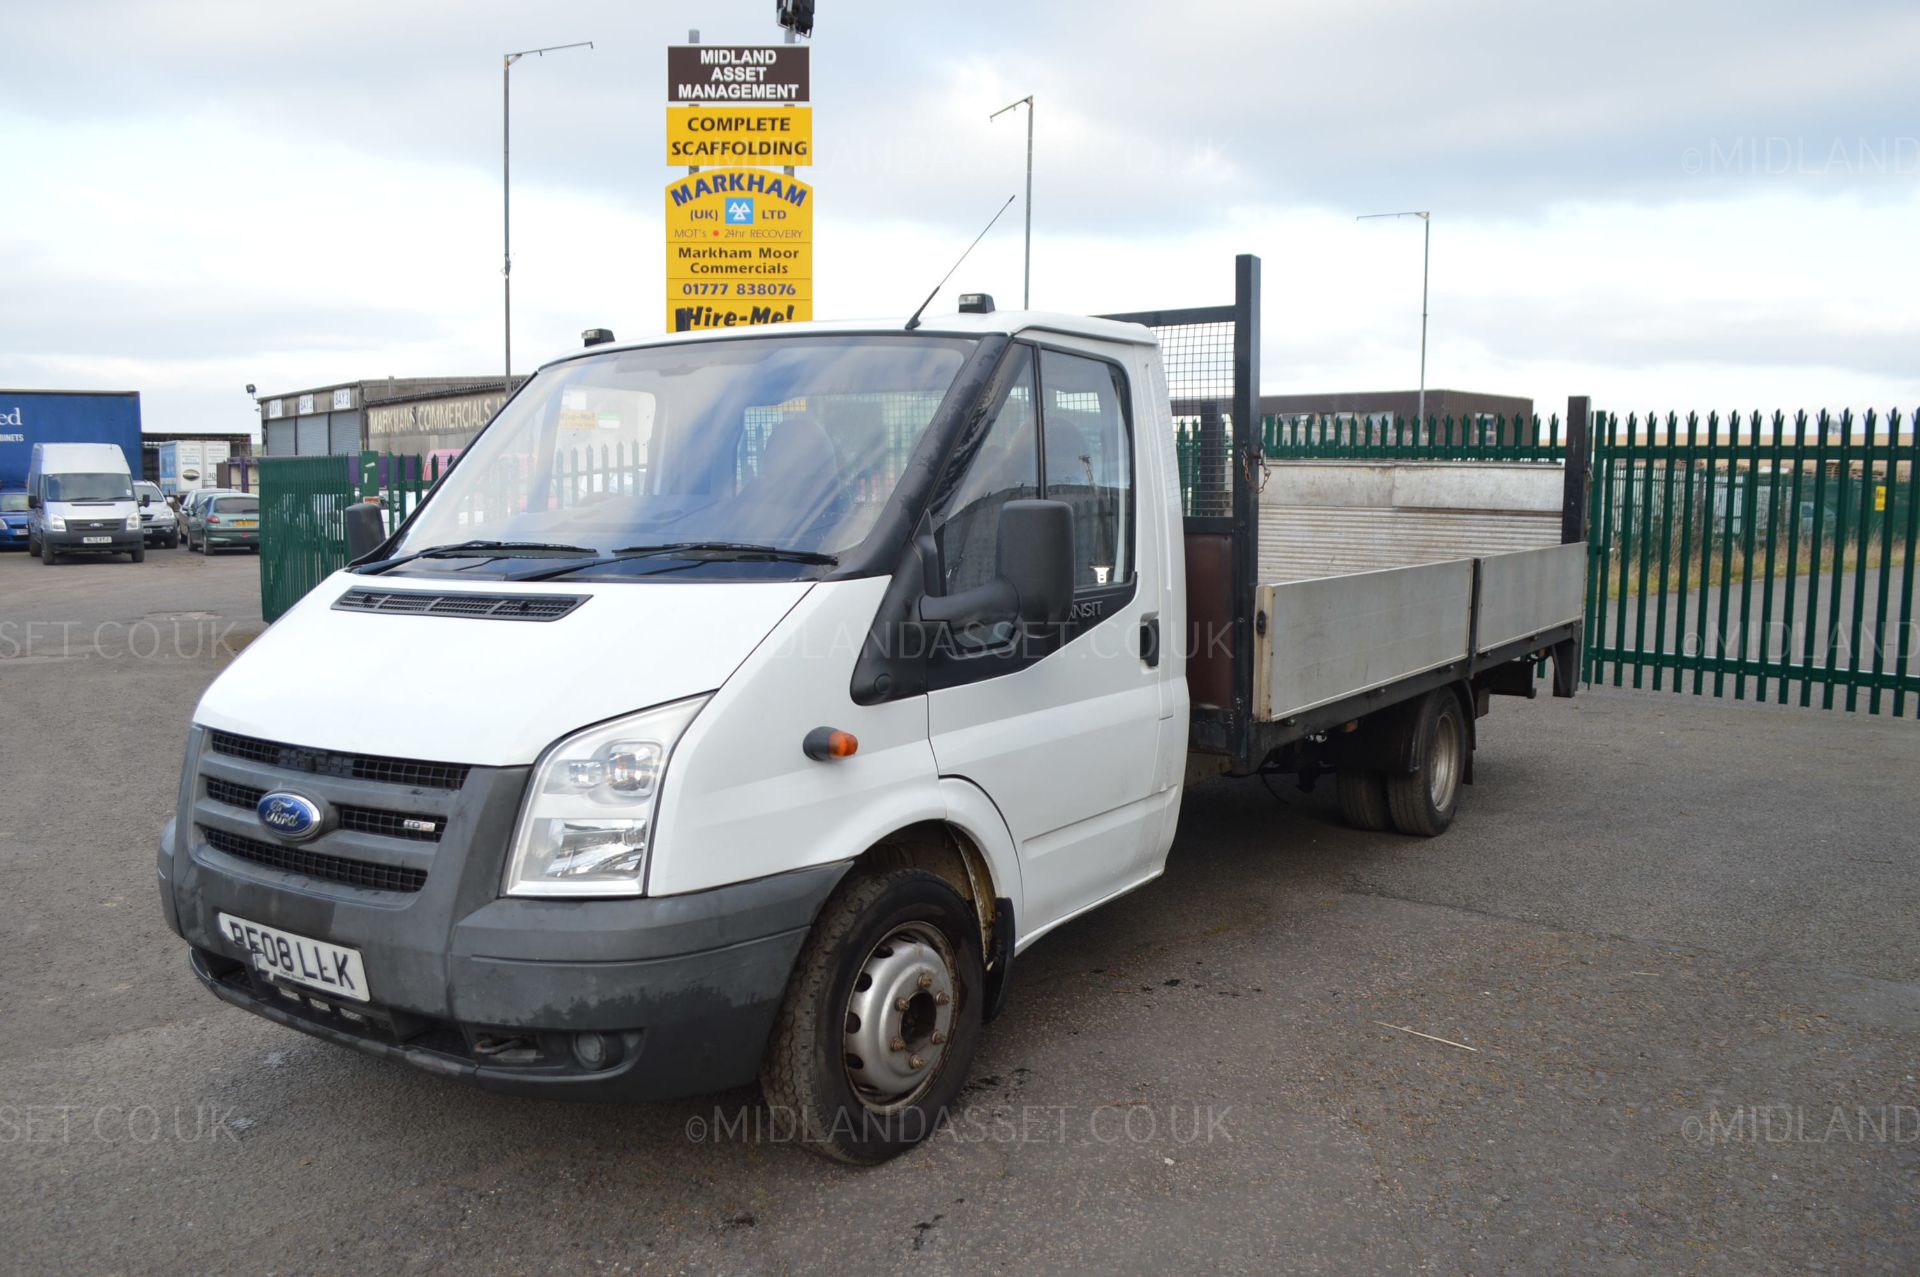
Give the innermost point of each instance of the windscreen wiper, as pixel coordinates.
(480, 550)
(737, 551)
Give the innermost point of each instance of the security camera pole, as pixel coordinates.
(1026, 278)
(506, 201)
(1426, 252)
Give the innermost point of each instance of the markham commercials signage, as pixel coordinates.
(452, 416)
(737, 73)
(739, 238)
(739, 249)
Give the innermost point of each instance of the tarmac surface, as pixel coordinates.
(1652, 1005)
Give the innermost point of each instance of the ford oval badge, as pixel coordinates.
(288, 815)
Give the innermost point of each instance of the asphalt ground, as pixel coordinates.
(1652, 1005)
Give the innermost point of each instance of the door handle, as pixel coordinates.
(1150, 640)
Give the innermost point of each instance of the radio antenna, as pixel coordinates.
(915, 321)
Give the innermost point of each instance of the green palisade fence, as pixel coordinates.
(1756, 556)
(1752, 556)
(303, 536)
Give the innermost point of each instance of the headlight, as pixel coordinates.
(587, 820)
(56, 524)
(133, 524)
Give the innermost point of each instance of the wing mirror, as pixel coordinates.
(365, 530)
(146, 499)
(1033, 578)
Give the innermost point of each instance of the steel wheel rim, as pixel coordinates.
(1446, 761)
(898, 1022)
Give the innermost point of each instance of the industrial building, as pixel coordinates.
(413, 415)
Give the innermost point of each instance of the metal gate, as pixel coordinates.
(1756, 557)
(303, 535)
(303, 502)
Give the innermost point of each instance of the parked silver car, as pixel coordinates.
(157, 519)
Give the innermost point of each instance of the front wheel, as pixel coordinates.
(48, 555)
(1423, 801)
(139, 553)
(881, 1018)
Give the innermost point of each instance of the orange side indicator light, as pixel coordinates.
(823, 744)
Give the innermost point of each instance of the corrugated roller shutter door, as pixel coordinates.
(343, 432)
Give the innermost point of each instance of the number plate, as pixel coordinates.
(96, 540)
(246, 523)
(285, 956)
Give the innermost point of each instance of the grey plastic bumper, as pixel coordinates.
(76, 542)
(685, 988)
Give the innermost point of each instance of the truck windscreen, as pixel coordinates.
(89, 487)
(792, 442)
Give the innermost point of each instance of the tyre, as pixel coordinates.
(1363, 799)
(881, 1018)
(1423, 801)
(48, 555)
(139, 553)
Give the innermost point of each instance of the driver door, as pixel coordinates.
(1062, 733)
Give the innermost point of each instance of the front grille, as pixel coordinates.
(360, 820)
(313, 864)
(488, 607)
(95, 525)
(319, 762)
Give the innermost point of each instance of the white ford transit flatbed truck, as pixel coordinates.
(769, 691)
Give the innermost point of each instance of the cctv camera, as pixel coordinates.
(249, 387)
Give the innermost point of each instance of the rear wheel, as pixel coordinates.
(881, 1018)
(1423, 801)
(1363, 799)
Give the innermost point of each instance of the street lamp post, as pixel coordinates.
(1026, 275)
(1426, 255)
(506, 198)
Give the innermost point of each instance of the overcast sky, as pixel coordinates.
(1713, 208)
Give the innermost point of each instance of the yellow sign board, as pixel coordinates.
(739, 249)
(769, 135)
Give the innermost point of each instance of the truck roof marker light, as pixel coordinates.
(824, 744)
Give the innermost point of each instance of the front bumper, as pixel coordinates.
(118, 542)
(158, 533)
(13, 535)
(681, 991)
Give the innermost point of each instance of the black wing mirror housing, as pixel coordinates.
(365, 530)
(1036, 558)
(1033, 577)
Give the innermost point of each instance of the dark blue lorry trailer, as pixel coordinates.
(28, 417)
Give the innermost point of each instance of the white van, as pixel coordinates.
(81, 498)
(884, 651)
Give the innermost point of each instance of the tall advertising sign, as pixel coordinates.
(739, 235)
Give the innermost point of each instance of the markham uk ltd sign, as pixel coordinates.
(739, 249)
(739, 238)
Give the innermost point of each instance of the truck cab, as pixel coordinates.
(768, 692)
(80, 500)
